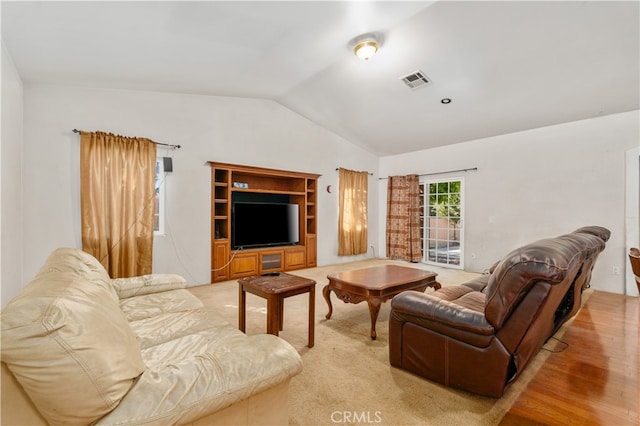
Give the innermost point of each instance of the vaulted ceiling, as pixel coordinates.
(507, 66)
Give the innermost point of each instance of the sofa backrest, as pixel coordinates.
(78, 263)
(68, 343)
(550, 260)
(584, 280)
(598, 231)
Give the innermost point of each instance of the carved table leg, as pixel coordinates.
(326, 292)
(374, 309)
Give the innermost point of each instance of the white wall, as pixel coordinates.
(535, 184)
(632, 212)
(232, 130)
(11, 181)
(532, 184)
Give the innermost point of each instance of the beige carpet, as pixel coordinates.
(347, 378)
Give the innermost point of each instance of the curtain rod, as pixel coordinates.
(369, 173)
(441, 173)
(157, 143)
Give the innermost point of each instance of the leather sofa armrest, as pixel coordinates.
(425, 309)
(147, 284)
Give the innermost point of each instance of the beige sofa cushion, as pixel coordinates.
(196, 378)
(152, 305)
(69, 345)
(147, 284)
(78, 263)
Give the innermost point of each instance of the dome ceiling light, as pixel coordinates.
(366, 45)
(366, 49)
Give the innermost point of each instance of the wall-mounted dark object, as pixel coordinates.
(167, 164)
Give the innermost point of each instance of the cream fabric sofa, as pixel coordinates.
(81, 348)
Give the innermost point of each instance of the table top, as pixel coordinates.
(382, 277)
(276, 283)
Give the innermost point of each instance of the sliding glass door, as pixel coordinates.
(442, 221)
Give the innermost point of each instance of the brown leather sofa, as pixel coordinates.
(634, 258)
(480, 336)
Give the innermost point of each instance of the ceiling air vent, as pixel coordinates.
(416, 79)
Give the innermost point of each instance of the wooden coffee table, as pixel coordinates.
(276, 288)
(376, 285)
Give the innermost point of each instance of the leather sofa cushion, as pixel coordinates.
(455, 311)
(147, 284)
(69, 345)
(172, 326)
(77, 263)
(152, 305)
(195, 380)
(478, 283)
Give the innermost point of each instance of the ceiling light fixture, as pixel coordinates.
(365, 49)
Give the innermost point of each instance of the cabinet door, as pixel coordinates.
(220, 258)
(311, 250)
(244, 265)
(271, 261)
(294, 259)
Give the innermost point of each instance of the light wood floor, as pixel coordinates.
(594, 381)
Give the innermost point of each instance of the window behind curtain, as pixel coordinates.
(158, 214)
(116, 201)
(353, 216)
(404, 227)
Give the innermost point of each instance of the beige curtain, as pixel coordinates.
(117, 195)
(403, 218)
(352, 219)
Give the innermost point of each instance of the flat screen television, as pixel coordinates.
(264, 224)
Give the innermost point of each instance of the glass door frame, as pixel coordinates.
(425, 182)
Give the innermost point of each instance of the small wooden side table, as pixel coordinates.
(276, 288)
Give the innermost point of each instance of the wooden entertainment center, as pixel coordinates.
(231, 183)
